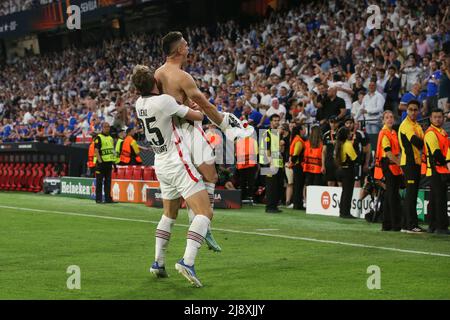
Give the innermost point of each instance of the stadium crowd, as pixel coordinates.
(281, 65)
(318, 63)
(14, 6)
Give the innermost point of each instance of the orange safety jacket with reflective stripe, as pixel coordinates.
(246, 153)
(443, 146)
(296, 139)
(313, 158)
(91, 155)
(395, 149)
(125, 155)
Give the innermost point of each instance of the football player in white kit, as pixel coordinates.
(173, 80)
(177, 175)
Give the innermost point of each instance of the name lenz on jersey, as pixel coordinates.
(155, 114)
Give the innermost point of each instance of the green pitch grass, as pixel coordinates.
(114, 255)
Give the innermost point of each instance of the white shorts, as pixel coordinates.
(199, 147)
(179, 179)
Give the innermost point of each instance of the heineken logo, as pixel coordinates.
(68, 187)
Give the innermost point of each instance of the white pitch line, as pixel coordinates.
(238, 231)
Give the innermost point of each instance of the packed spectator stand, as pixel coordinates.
(286, 64)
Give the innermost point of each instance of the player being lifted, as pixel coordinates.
(177, 175)
(172, 80)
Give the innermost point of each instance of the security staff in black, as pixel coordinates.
(271, 162)
(345, 157)
(106, 158)
(410, 138)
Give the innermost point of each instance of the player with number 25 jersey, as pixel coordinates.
(160, 117)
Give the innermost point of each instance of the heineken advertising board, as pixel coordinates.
(78, 187)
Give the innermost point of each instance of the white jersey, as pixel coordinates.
(156, 114)
(177, 176)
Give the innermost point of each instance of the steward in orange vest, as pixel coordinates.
(246, 153)
(435, 155)
(297, 151)
(92, 159)
(313, 158)
(387, 141)
(437, 168)
(130, 150)
(387, 165)
(246, 164)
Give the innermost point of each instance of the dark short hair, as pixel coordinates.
(274, 116)
(416, 102)
(129, 130)
(169, 40)
(143, 79)
(437, 110)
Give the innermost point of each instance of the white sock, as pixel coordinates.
(210, 187)
(195, 237)
(163, 231)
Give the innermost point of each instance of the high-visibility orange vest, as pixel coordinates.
(443, 146)
(91, 155)
(296, 139)
(246, 153)
(395, 149)
(125, 155)
(313, 158)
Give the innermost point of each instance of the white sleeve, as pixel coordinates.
(170, 107)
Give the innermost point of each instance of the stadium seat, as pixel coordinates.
(64, 170)
(128, 173)
(25, 184)
(14, 182)
(114, 174)
(137, 173)
(120, 172)
(9, 176)
(148, 174)
(29, 177)
(19, 178)
(38, 177)
(48, 170)
(2, 174)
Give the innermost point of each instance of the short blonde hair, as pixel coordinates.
(143, 79)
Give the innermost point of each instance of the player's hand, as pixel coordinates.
(194, 106)
(323, 170)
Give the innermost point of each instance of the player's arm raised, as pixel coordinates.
(193, 115)
(189, 87)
